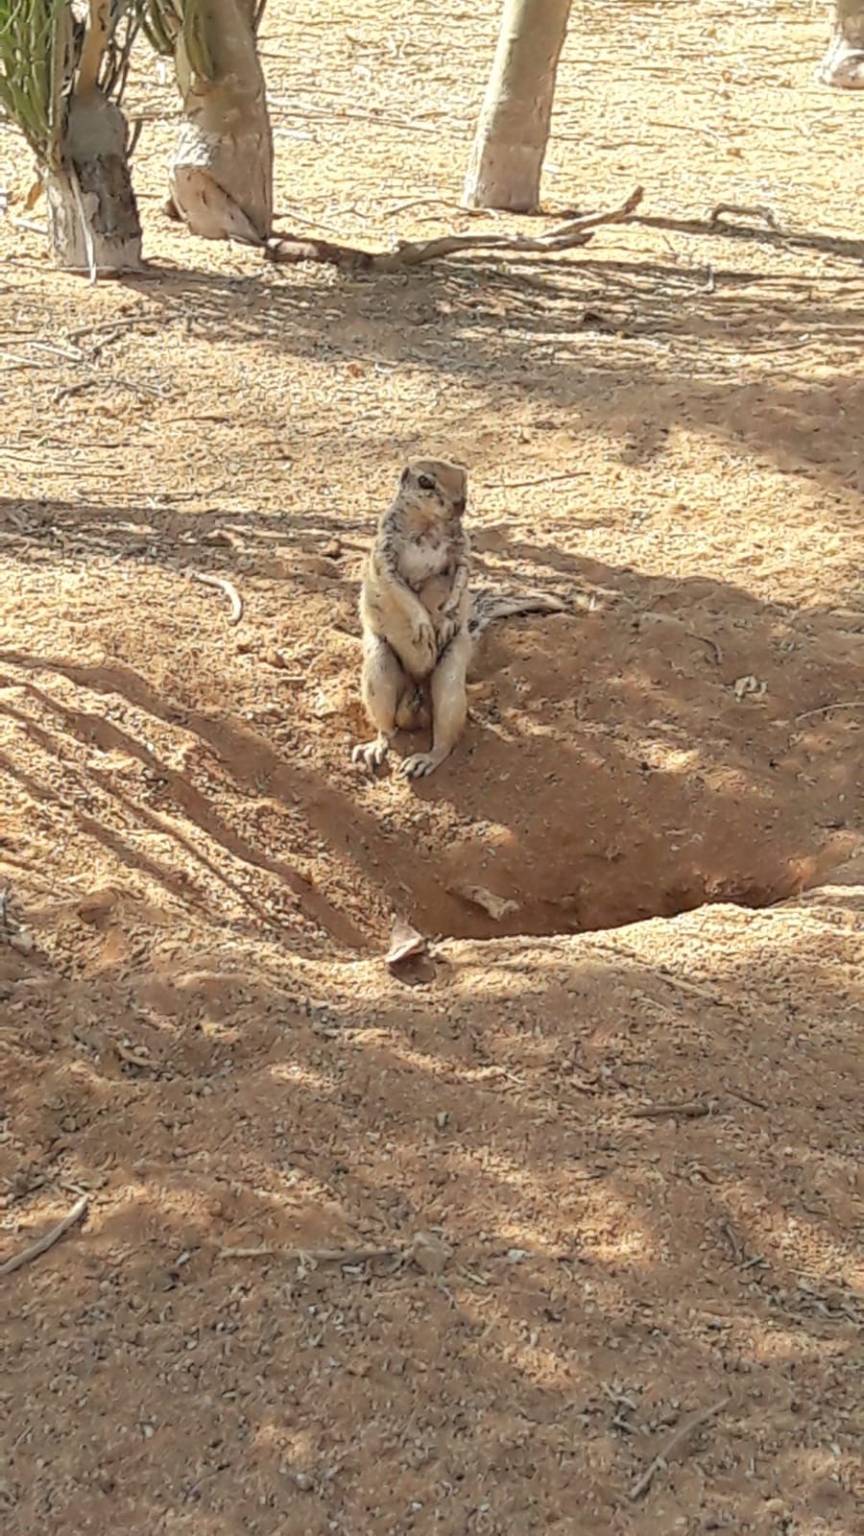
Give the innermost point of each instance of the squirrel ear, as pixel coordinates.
(405, 476)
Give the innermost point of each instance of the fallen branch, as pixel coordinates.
(673, 1444)
(42, 1244)
(689, 1111)
(288, 248)
(222, 584)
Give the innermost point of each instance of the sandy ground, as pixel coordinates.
(196, 1026)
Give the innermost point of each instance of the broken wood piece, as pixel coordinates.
(223, 585)
(692, 1109)
(42, 1244)
(675, 1442)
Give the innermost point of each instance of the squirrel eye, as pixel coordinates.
(425, 483)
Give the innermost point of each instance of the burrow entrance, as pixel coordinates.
(610, 773)
(492, 883)
(503, 908)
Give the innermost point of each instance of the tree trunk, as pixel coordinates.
(92, 215)
(843, 64)
(222, 172)
(510, 142)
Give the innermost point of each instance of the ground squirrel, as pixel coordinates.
(420, 623)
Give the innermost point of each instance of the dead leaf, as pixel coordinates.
(405, 943)
(496, 906)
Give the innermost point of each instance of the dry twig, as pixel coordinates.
(42, 1244)
(223, 585)
(735, 1246)
(746, 1098)
(73, 389)
(426, 1250)
(745, 211)
(673, 1444)
(810, 714)
(518, 485)
(711, 644)
(694, 1110)
(414, 253)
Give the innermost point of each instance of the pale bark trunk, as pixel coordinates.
(93, 221)
(510, 142)
(222, 172)
(843, 64)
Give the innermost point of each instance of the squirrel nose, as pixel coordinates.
(460, 505)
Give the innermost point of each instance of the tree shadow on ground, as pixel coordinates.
(589, 334)
(607, 1274)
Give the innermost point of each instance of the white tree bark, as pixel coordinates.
(222, 173)
(93, 221)
(510, 142)
(843, 64)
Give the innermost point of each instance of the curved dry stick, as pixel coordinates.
(42, 1244)
(745, 211)
(414, 253)
(222, 584)
(824, 709)
(674, 1443)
